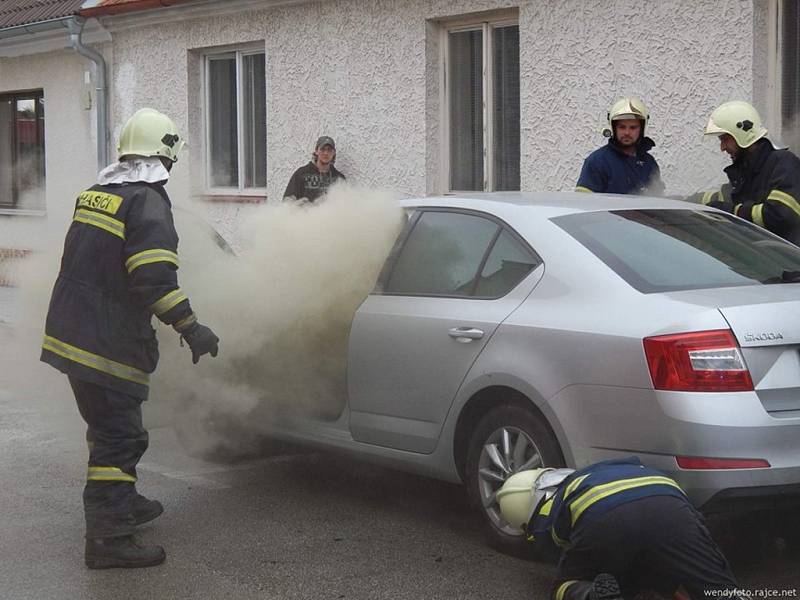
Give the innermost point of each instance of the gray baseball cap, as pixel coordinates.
(325, 141)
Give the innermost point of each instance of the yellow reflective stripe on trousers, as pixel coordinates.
(168, 301)
(104, 222)
(598, 492)
(708, 196)
(147, 257)
(109, 474)
(757, 214)
(562, 589)
(94, 361)
(784, 198)
(585, 190)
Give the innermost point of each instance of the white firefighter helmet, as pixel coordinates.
(629, 107)
(739, 119)
(517, 497)
(150, 133)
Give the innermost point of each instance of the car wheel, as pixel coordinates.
(506, 440)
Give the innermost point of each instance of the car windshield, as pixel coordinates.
(663, 250)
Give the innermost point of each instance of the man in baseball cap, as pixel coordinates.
(311, 181)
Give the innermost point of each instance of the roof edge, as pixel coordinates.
(96, 8)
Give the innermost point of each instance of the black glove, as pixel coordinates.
(201, 340)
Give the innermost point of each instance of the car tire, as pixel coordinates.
(529, 444)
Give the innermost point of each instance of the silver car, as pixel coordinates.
(511, 330)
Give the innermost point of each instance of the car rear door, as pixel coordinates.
(451, 280)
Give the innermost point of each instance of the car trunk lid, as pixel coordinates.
(766, 323)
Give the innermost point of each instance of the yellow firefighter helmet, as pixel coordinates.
(739, 119)
(150, 133)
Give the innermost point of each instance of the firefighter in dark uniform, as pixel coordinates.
(623, 529)
(624, 165)
(117, 271)
(764, 182)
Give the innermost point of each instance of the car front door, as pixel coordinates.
(451, 280)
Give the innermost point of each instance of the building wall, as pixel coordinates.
(70, 146)
(368, 73)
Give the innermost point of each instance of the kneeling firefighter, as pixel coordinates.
(623, 529)
(117, 271)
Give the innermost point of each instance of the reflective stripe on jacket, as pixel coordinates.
(592, 491)
(118, 269)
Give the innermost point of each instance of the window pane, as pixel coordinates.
(466, 110)
(508, 264)
(790, 95)
(222, 118)
(29, 149)
(255, 121)
(442, 255)
(672, 250)
(6, 152)
(506, 108)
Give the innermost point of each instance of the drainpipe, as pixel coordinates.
(75, 26)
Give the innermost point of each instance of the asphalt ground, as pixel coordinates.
(291, 526)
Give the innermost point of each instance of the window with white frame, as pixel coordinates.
(236, 121)
(22, 175)
(482, 106)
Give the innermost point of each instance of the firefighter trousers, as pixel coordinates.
(117, 440)
(653, 544)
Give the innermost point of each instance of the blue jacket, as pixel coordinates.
(609, 170)
(592, 491)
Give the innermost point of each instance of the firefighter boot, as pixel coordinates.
(605, 587)
(145, 510)
(121, 552)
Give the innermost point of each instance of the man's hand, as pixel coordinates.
(201, 341)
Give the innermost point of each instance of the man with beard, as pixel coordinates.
(624, 165)
(311, 181)
(764, 180)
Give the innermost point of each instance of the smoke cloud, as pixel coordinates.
(282, 307)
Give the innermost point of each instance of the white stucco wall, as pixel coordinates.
(70, 147)
(366, 72)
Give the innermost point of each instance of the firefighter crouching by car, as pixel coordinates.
(764, 181)
(623, 529)
(118, 269)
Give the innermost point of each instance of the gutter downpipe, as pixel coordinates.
(75, 26)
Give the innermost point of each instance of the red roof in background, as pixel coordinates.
(96, 8)
(26, 12)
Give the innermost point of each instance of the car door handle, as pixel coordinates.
(465, 334)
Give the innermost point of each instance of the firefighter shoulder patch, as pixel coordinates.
(108, 203)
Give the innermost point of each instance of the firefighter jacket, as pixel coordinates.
(118, 269)
(589, 493)
(609, 170)
(764, 188)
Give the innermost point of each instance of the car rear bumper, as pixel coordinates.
(607, 422)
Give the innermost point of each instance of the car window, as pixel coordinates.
(508, 264)
(662, 250)
(442, 255)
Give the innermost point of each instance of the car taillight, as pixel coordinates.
(702, 361)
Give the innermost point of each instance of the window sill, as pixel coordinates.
(22, 212)
(234, 198)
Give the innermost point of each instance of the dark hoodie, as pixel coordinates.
(308, 182)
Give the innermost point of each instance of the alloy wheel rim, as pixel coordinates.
(506, 451)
